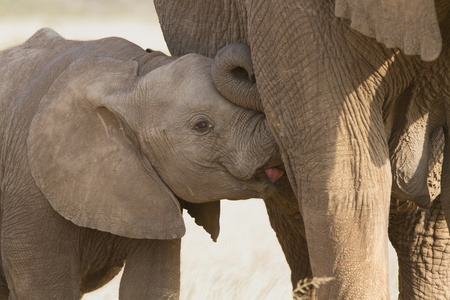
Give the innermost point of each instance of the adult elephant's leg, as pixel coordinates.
(286, 220)
(420, 238)
(318, 82)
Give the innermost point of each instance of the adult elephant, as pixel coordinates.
(325, 88)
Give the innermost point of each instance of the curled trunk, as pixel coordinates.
(234, 77)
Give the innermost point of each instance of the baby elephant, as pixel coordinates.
(99, 139)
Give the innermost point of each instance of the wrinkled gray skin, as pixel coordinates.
(335, 91)
(420, 154)
(98, 140)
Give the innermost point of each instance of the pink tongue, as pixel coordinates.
(274, 174)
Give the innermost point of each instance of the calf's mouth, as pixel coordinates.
(274, 174)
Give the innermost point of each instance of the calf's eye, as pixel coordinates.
(203, 126)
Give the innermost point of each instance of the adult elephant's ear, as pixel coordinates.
(409, 25)
(85, 159)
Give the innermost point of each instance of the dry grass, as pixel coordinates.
(307, 285)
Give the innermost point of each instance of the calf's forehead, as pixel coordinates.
(190, 65)
(182, 89)
(189, 82)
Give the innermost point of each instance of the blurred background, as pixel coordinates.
(247, 261)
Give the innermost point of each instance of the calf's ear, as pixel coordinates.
(86, 160)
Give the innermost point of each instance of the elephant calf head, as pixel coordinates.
(112, 146)
(203, 146)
